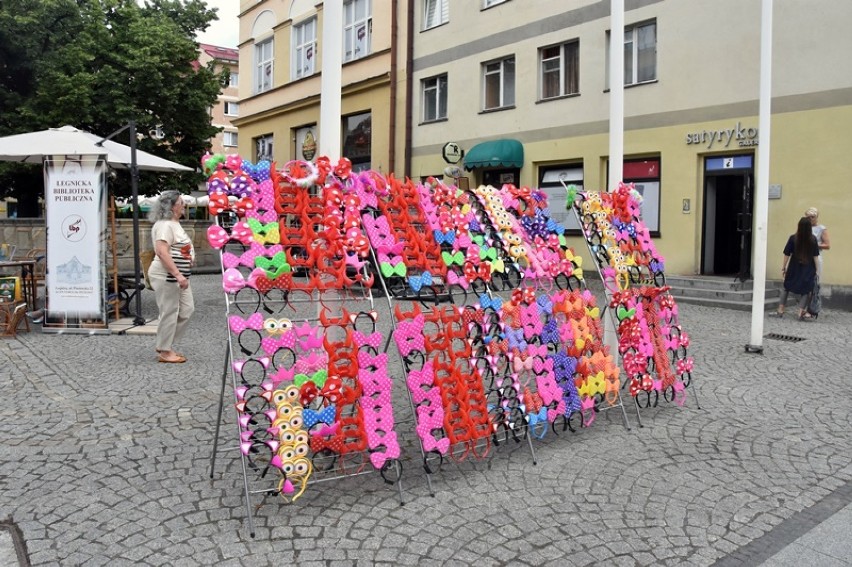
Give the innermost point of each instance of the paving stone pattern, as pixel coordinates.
(105, 454)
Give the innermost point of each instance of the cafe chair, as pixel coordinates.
(14, 316)
(40, 257)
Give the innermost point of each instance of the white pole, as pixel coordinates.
(616, 127)
(761, 197)
(330, 84)
(616, 94)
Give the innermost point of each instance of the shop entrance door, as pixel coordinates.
(727, 223)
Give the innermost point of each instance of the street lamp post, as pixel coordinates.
(138, 320)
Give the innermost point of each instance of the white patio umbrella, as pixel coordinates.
(33, 147)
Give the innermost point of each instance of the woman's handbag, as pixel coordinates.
(815, 304)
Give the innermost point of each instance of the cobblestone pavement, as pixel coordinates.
(105, 456)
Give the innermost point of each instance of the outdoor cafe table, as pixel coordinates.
(28, 282)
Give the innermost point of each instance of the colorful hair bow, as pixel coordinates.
(312, 417)
(264, 233)
(485, 302)
(448, 237)
(233, 281)
(417, 282)
(361, 340)
(319, 378)
(456, 279)
(237, 324)
(451, 258)
(390, 270)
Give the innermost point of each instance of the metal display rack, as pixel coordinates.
(300, 319)
(634, 282)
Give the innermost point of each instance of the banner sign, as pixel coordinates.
(75, 197)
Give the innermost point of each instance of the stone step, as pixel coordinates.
(708, 282)
(768, 305)
(727, 294)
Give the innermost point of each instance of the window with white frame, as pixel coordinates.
(229, 139)
(232, 109)
(304, 48)
(263, 57)
(640, 54)
(498, 80)
(435, 13)
(553, 180)
(357, 29)
(560, 70)
(234, 80)
(263, 147)
(434, 98)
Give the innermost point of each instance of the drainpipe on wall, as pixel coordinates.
(409, 88)
(393, 66)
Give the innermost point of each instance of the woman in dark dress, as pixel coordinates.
(799, 269)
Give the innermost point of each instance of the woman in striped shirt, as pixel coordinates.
(169, 273)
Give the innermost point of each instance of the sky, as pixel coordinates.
(224, 32)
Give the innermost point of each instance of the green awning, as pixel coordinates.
(496, 153)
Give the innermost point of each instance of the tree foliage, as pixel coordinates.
(95, 64)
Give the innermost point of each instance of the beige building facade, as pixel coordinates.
(281, 57)
(539, 76)
(520, 88)
(227, 107)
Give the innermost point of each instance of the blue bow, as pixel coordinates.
(535, 419)
(485, 302)
(417, 282)
(516, 338)
(448, 237)
(544, 304)
(312, 417)
(550, 332)
(488, 338)
(554, 226)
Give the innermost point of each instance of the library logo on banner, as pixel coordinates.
(73, 228)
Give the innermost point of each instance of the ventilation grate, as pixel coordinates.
(785, 338)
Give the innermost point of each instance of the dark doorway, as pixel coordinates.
(728, 203)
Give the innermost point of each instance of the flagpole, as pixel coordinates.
(616, 127)
(761, 198)
(331, 79)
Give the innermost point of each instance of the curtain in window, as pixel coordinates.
(572, 68)
(509, 82)
(550, 71)
(647, 53)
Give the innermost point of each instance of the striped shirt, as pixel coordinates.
(180, 248)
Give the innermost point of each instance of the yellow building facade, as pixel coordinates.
(281, 59)
(520, 89)
(691, 114)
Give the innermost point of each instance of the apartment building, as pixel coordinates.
(280, 48)
(518, 90)
(522, 88)
(227, 107)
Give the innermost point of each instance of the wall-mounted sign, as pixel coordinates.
(306, 143)
(452, 152)
(774, 191)
(722, 138)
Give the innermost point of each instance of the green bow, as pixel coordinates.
(274, 266)
(389, 270)
(451, 258)
(264, 233)
(488, 253)
(319, 377)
